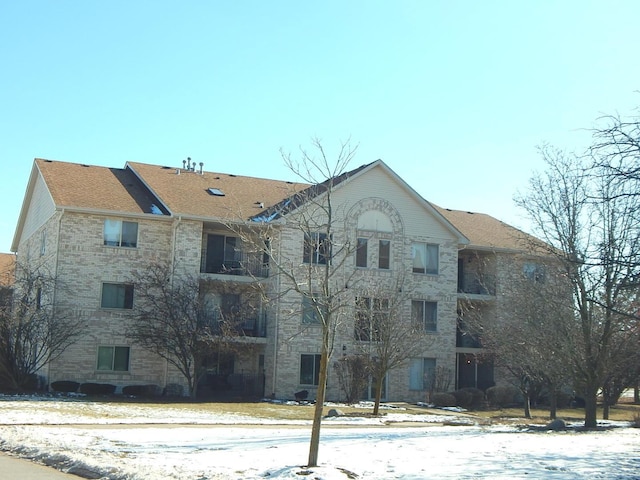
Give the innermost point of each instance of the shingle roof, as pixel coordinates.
(92, 187)
(7, 269)
(186, 192)
(485, 231)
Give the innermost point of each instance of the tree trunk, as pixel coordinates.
(376, 405)
(636, 394)
(527, 405)
(591, 407)
(605, 410)
(314, 444)
(553, 405)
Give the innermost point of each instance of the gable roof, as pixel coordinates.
(291, 203)
(488, 233)
(141, 188)
(81, 186)
(186, 193)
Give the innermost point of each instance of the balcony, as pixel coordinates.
(465, 338)
(253, 327)
(225, 255)
(476, 285)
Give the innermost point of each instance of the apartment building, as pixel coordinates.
(94, 227)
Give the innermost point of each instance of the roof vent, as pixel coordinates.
(215, 191)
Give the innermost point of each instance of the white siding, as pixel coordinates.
(39, 210)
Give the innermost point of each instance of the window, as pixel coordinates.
(361, 253)
(384, 254)
(118, 233)
(422, 373)
(425, 314)
(317, 248)
(224, 254)
(310, 314)
(43, 242)
(38, 298)
(371, 316)
(117, 295)
(534, 272)
(115, 359)
(309, 369)
(425, 258)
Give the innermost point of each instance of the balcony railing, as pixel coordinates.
(238, 263)
(477, 286)
(466, 339)
(250, 326)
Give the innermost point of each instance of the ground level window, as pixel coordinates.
(115, 359)
(421, 373)
(309, 369)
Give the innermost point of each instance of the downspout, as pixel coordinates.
(277, 324)
(174, 235)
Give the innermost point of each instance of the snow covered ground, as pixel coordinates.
(128, 441)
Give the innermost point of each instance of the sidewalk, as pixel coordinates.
(18, 468)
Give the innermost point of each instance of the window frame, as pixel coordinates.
(113, 361)
(534, 272)
(433, 309)
(310, 360)
(427, 269)
(420, 368)
(362, 252)
(111, 224)
(309, 312)
(126, 294)
(314, 249)
(384, 261)
(370, 314)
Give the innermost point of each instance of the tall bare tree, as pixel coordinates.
(526, 343)
(33, 330)
(321, 279)
(591, 227)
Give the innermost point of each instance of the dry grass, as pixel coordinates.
(277, 411)
(623, 412)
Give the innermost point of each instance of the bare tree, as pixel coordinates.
(321, 280)
(353, 375)
(591, 227)
(385, 335)
(33, 331)
(527, 343)
(176, 319)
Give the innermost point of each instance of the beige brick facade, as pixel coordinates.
(375, 205)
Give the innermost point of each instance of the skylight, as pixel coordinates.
(215, 191)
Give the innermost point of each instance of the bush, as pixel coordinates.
(470, 398)
(501, 396)
(442, 399)
(141, 390)
(65, 386)
(97, 388)
(173, 390)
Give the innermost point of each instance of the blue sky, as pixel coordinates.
(453, 95)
